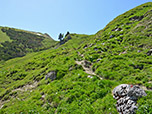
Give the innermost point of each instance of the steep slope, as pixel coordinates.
(17, 43)
(124, 46)
(120, 53)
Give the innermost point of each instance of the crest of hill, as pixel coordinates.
(128, 20)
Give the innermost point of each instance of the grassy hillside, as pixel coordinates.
(17, 43)
(87, 69)
(3, 37)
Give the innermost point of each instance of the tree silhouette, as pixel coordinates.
(67, 33)
(60, 37)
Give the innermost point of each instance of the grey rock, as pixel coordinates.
(96, 49)
(117, 29)
(139, 51)
(103, 43)
(71, 68)
(120, 91)
(98, 59)
(91, 45)
(112, 36)
(135, 92)
(51, 75)
(86, 46)
(89, 76)
(149, 52)
(126, 96)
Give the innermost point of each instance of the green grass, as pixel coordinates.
(3, 37)
(119, 59)
(22, 42)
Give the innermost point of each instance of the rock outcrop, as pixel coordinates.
(51, 75)
(127, 96)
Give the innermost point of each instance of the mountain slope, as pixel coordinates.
(87, 69)
(17, 43)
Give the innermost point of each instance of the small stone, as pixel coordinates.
(86, 46)
(90, 76)
(43, 96)
(138, 51)
(112, 36)
(149, 52)
(98, 59)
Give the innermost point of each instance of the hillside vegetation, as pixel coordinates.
(87, 68)
(3, 37)
(17, 43)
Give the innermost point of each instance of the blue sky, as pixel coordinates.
(59, 16)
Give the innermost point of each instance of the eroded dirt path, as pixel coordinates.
(27, 87)
(87, 68)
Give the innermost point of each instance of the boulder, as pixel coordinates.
(51, 75)
(126, 96)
